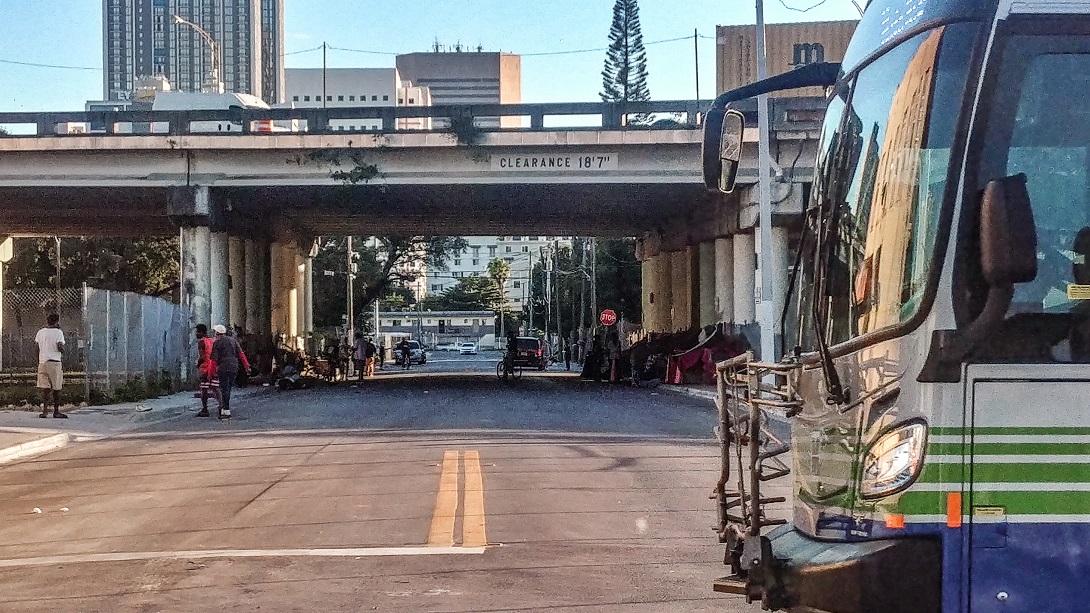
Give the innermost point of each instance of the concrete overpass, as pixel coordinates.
(248, 205)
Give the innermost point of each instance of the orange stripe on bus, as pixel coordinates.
(953, 509)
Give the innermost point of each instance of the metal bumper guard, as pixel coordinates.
(793, 572)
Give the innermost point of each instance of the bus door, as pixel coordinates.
(1028, 500)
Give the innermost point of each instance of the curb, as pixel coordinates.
(682, 390)
(33, 448)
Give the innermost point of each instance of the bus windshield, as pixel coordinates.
(1039, 125)
(873, 219)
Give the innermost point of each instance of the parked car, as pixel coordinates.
(446, 347)
(530, 353)
(467, 349)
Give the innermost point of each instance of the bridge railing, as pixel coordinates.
(462, 120)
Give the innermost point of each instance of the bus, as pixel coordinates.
(937, 392)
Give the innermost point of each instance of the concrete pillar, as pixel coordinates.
(647, 281)
(218, 255)
(781, 258)
(745, 310)
(250, 276)
(724, 279)
(264, 287)
(281, 299)
(300, 268)
(682, 283)
(665, 294)
(308, 297)
(236, 264)
(196, 287)
(706, 283)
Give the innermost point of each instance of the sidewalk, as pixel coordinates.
(23, 434)
(703, 392)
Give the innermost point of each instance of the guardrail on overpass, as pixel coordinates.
(787, 113)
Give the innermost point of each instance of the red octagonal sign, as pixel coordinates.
(608, 317)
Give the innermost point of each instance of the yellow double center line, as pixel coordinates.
(446, 503)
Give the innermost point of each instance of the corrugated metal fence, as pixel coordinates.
(114, 338)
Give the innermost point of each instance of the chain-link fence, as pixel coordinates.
(115, 339)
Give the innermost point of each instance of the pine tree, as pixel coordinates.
(624, 77)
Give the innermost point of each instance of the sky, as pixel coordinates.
(69, 33)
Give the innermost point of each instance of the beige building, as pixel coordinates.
(467, 77)
(788, 46)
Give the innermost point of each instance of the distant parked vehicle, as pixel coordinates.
(446, 347)
(467, 349)
(530, 353)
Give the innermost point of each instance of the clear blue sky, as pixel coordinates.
(69, 33)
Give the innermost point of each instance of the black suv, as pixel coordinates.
(530, 354)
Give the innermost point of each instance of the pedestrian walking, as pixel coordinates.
(206, 367)
(381, 356)
(227, 354)
(369, 358)
(406, 354)
(359, 355)
(50, 341)
(345, 354)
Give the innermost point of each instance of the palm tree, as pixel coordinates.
(500, 271)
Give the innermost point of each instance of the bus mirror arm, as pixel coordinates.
(1008, 255)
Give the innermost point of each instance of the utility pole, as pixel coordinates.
(530, 325)
(696, 60)
(594, 282)
(351, 296)
(58, 239)
(765, 309)
(556, 290)
(582, 295)
(324, 71)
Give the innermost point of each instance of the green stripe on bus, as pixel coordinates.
(1011, 449)
(1031, 473)
(941, 430)
(1014, 503)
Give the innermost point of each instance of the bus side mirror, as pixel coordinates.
(1008, 235)
(722, 148)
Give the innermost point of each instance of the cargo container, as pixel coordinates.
(789, 45)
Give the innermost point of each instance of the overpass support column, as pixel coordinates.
(681, 296)
(237, 282)
(706, 283)
(745, 260)
(300, 269)
(249, 281)
(196, 286)
(647, 283)
(218, 276)
(308, 298)
(781, 258)
(664, 267)
(282, 302)
(724, 279)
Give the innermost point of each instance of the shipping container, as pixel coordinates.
(788, 46)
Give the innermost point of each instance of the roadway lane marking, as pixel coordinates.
(358, 552)
(473, 533)
(446, 503)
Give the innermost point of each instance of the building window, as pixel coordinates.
(401, 101)
(476, 262)
(429, 322)
(329, 98)
(526, 250)
(508, 249)
(533, 238)
(412, 100)
(295, 98)
(340, 98)
(457, 262)
(509, 260)
(518, 285)
(476, 322)
(375, 98)
(516, 238)
(305, 98)
(351, 98)
(397, 323)
(384, 98)
(492, 251)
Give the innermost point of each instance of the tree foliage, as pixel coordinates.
(385, 267)
(144, 265)
(469, 294)
(624, 76)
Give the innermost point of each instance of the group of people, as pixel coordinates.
(362, 354)
(220, 362)
(366, 355)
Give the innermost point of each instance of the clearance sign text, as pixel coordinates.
(565, 162)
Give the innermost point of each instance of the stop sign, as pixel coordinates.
(608, 317)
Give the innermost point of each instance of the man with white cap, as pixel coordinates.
(227, 354)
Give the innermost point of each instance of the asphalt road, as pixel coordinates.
(438, 490)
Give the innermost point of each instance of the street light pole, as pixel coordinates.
(213, 84)
(766, 315)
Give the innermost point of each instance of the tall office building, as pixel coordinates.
(140, 39)
(467, 77)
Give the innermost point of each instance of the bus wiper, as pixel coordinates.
(833, 386)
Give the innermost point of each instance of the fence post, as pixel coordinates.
(88, 339)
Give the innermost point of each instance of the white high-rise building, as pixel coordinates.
(520, 252)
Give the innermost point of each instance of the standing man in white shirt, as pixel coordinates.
(50, 341)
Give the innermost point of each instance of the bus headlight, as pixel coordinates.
(893, 461)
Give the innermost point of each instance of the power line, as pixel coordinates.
(598, 49)
(318, 48)
(37, 65)
(805, 10)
